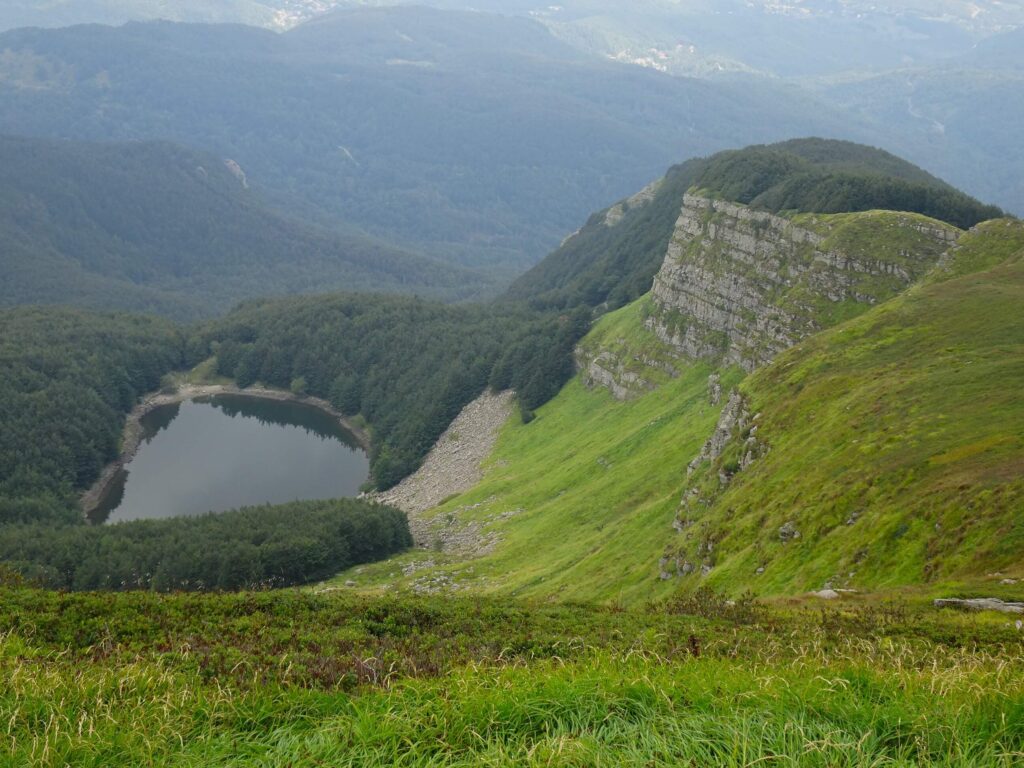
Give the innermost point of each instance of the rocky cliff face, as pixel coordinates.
(739, 286)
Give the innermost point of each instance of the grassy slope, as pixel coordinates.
(907, 419)
(594, 484)
(906, 415)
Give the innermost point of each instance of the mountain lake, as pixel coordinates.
(217, 453)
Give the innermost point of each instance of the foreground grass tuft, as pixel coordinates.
(232, 680)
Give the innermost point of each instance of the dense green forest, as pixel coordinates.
(155, 227)
(68, 379)
(612, 260)
(407, 366)
(253, 547)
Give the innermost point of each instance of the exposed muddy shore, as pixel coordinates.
(132, 436)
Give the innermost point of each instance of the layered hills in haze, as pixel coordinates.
(474, 138)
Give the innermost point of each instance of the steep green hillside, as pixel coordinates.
(160, 228)
(900, 422)
(581, 500)
(893, 442)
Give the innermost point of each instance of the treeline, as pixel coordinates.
(776, 178)
(68, 379)
(407, 366)
(270, 546)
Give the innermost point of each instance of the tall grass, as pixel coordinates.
(596, 688)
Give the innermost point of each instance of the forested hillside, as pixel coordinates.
(811, 176)
(68, 379)
(159, 228)
(611, 260)
(406, 366)
(250, 548)
(960, 118)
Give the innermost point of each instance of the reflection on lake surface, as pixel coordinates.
(227, 451)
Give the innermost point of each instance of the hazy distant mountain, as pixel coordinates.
(62, 13)
(961, 118)
(156, 227)
(476, 138)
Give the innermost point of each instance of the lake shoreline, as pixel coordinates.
(131, 436)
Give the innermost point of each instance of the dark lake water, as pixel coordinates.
(218, 453)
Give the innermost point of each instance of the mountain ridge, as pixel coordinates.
(487, 165)
(684, 468)
(612, 260)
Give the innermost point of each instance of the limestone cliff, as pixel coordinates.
(738, 286)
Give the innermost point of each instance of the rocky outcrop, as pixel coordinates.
(788, 532)
(236, 170)
(451, 467)
(980, 604)
(614, 215)
(606, 370)
(735, 435)
(739, 286)
(734, 423)
(734, 416)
